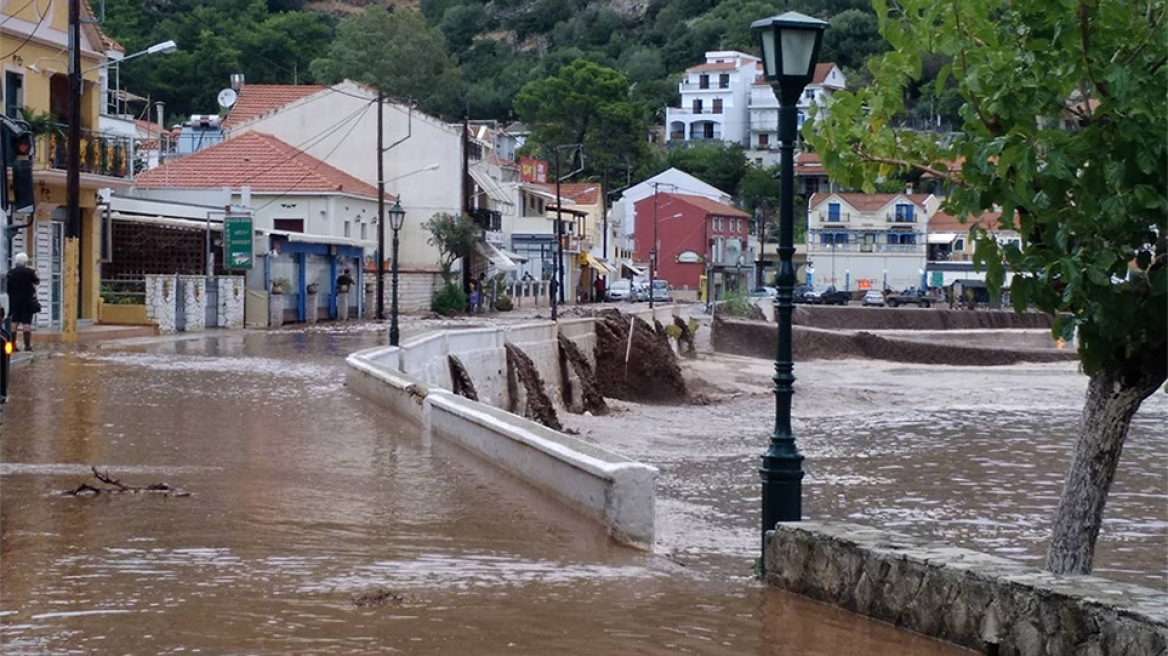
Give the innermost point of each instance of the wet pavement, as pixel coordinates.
(308, 502)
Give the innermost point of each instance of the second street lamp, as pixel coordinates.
(397, 217)
(790, 46)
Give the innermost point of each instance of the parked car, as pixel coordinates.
(619, 290)
(873, 297)
(909, 296)
(661, 293)
(763, 292)
(829, 296)
(640, 290)
(800, 294)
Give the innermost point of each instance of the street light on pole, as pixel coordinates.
(397, 217)
(790, 46)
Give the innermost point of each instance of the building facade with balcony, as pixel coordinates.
(868, 241)
(951, 249)
(35, 87)
(715, 99)
(763, 146)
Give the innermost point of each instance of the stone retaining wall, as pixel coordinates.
(877, 318)
(972, 599)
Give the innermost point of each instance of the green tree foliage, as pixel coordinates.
(453, 236)
(1063, 131)
(716, 163)
(215, 39)
(588, 104)
(396, 52)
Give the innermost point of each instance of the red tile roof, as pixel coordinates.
(716, 66)
(581, 193)
(866, 202)
(706, 205)
(808, 164)
(944, 222)
(259, 99)
(821, 72)
(256, 160)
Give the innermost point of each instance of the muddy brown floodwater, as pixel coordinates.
(321, 524)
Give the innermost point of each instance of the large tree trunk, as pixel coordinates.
(1112, 399)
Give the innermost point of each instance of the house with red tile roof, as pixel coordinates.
(421, 158)
(951, 248)
(868, 241)
(763, 146)
(311, 219)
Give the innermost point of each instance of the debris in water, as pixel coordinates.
(111, 485)
(377, 597)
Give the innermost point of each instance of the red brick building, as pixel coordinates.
(693, 233)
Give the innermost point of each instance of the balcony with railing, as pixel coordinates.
(901, 218)
(830, 218)
(101, 153)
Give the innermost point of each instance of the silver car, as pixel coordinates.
(619, 290)
(874, 298)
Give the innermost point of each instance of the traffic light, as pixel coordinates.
(17, 149)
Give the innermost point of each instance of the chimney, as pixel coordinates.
(908, 188)
(236, 81)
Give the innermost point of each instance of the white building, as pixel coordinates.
(763, 148)
(868, 241)
(715, 99)
(338, 125)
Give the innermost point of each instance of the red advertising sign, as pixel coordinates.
(532, 170)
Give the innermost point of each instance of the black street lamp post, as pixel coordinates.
(790, 46)
(397, 217)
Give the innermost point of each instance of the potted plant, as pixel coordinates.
(280, 286)
(313, 288)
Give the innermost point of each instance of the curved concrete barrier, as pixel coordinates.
(602, 485)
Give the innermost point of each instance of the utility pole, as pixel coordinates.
(70, 302)
(380, 207)
(557, 272)
(653, 246)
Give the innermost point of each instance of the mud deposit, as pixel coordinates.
(460, 379)
(581, 393)
(757, 340)
(875, 318)
(528, 397)
(686, 339)
(649, 375)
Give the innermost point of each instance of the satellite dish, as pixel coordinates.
(227, 98)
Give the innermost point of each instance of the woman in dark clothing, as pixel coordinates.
(22, 282)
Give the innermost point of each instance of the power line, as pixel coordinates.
(28, 38)
(13, 14)
(319, 161)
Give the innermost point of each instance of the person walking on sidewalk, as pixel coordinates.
(22, 282)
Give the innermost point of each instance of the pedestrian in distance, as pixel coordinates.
(599, 289)
(22, 283)
(344, 282)
(478, 294)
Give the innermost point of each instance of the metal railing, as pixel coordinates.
(101, 153)
(123, 291)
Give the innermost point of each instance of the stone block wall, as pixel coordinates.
(972, 599)
(160, 301)
(415, 290)
(194, 302)
(232, 293)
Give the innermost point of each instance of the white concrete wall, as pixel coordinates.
(160, 303)
(604, 486)
(430, 142)
(231, 301)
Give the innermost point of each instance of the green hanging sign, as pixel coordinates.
(238, 250)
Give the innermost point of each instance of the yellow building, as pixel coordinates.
(34, 45)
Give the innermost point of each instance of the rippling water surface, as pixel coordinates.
(304, 499)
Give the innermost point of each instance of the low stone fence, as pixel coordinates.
(976, 600)
(166, 293)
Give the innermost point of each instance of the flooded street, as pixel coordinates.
(971, 456)
(318, 523)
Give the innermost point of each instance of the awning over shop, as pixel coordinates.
(942, 237)
(598, 264)
(537, 190)
(170, 221)
(639, 273)
(490, 187)
(495, 256)
(513, 256)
